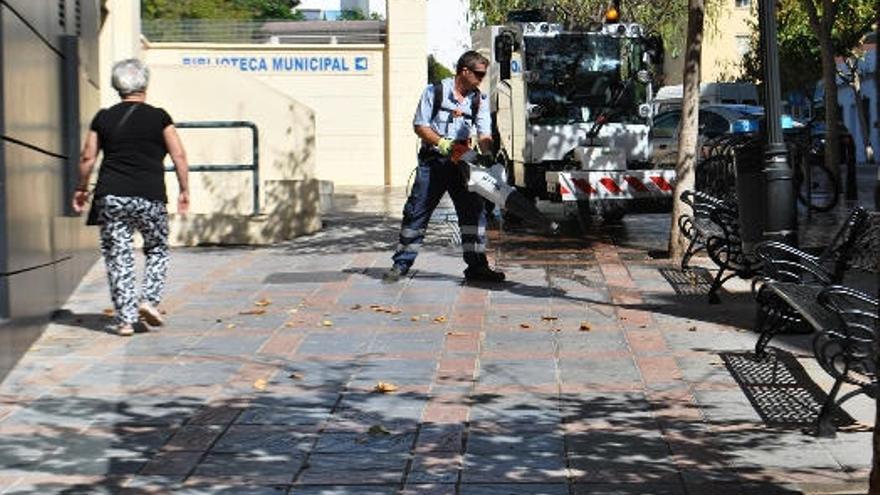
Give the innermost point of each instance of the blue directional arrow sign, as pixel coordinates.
(360, 63)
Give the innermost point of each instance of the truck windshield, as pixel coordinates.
(574, 77)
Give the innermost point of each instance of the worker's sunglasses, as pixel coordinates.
(479, 73)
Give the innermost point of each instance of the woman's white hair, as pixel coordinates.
(130, 76)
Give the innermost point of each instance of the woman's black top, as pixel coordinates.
(133, 151)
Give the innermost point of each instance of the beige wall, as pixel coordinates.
(120, 39)
(721, 55)
(362, 113)
(347, 104)
(286, 133)
(406, 78)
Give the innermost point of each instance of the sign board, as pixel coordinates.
(283, 64)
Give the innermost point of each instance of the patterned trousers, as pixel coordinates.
(121, 216)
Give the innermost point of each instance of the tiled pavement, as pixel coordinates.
(585, 374)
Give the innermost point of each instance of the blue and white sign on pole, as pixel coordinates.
(280, 64)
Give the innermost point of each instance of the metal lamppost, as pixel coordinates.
(780, 216)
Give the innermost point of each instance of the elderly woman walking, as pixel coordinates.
(130, 195)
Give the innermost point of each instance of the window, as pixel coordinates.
(741, 4)
(713, 125)
(665, 125)
(743, 44)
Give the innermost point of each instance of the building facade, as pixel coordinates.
(50, 88)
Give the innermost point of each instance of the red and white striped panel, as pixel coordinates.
(632, 184)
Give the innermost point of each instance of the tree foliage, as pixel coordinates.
(668, 18)
(219, 9)
(798, 45)
(437, 71)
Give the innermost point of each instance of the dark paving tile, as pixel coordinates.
(514, 489)
(364, 443)
(263, 440)
(250, 469)
(323, 469)
(521, 467)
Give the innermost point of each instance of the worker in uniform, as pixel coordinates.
(445, 131)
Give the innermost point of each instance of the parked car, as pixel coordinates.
(714, 121)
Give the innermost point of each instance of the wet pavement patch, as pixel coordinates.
(779, 389)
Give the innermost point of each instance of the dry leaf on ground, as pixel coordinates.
(385, 387)
(692, 329)
(230, 326)
(327, 323)
(549, 318)
(261, 384)
(378, 430)
(257, 311)
(262, 303)
(414, 318)
(440, 319)
(585, 327)
(108, 312)
(356, 307)
(525, 325)
(295, 376)
(456, 334)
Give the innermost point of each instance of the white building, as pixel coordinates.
(330, 10)
(847, 101)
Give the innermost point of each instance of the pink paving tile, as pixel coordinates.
(658, 369)
(440, 413)
(281, 344)
(646, 341)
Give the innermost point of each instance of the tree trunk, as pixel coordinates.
(688, 127)
(874, 482)
(832, 113)
(855, 82)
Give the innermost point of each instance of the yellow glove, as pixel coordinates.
(444, 146)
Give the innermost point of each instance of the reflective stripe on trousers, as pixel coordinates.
(434, 176)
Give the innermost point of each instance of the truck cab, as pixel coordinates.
(572, 114)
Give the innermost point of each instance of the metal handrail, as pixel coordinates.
(235, 167)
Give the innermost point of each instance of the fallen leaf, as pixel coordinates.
(394, 311)
(585, 327)
(503, 316)
(414, 318)
(108, 312)
(385, 387)
(557, 329)
(692, 329)
(378, 430)
(327, 323)
(294, 310)
(231, 325)
(525, 325)
(290, 324)
(456, 334)
(219, 320)
(257, 311)
(356, 307)
(262, 303)
(549, 318)
(440, 319)
(261, 384)
(295, 376)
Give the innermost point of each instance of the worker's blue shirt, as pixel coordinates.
(445, 123)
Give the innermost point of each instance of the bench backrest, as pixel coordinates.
(845, 246)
